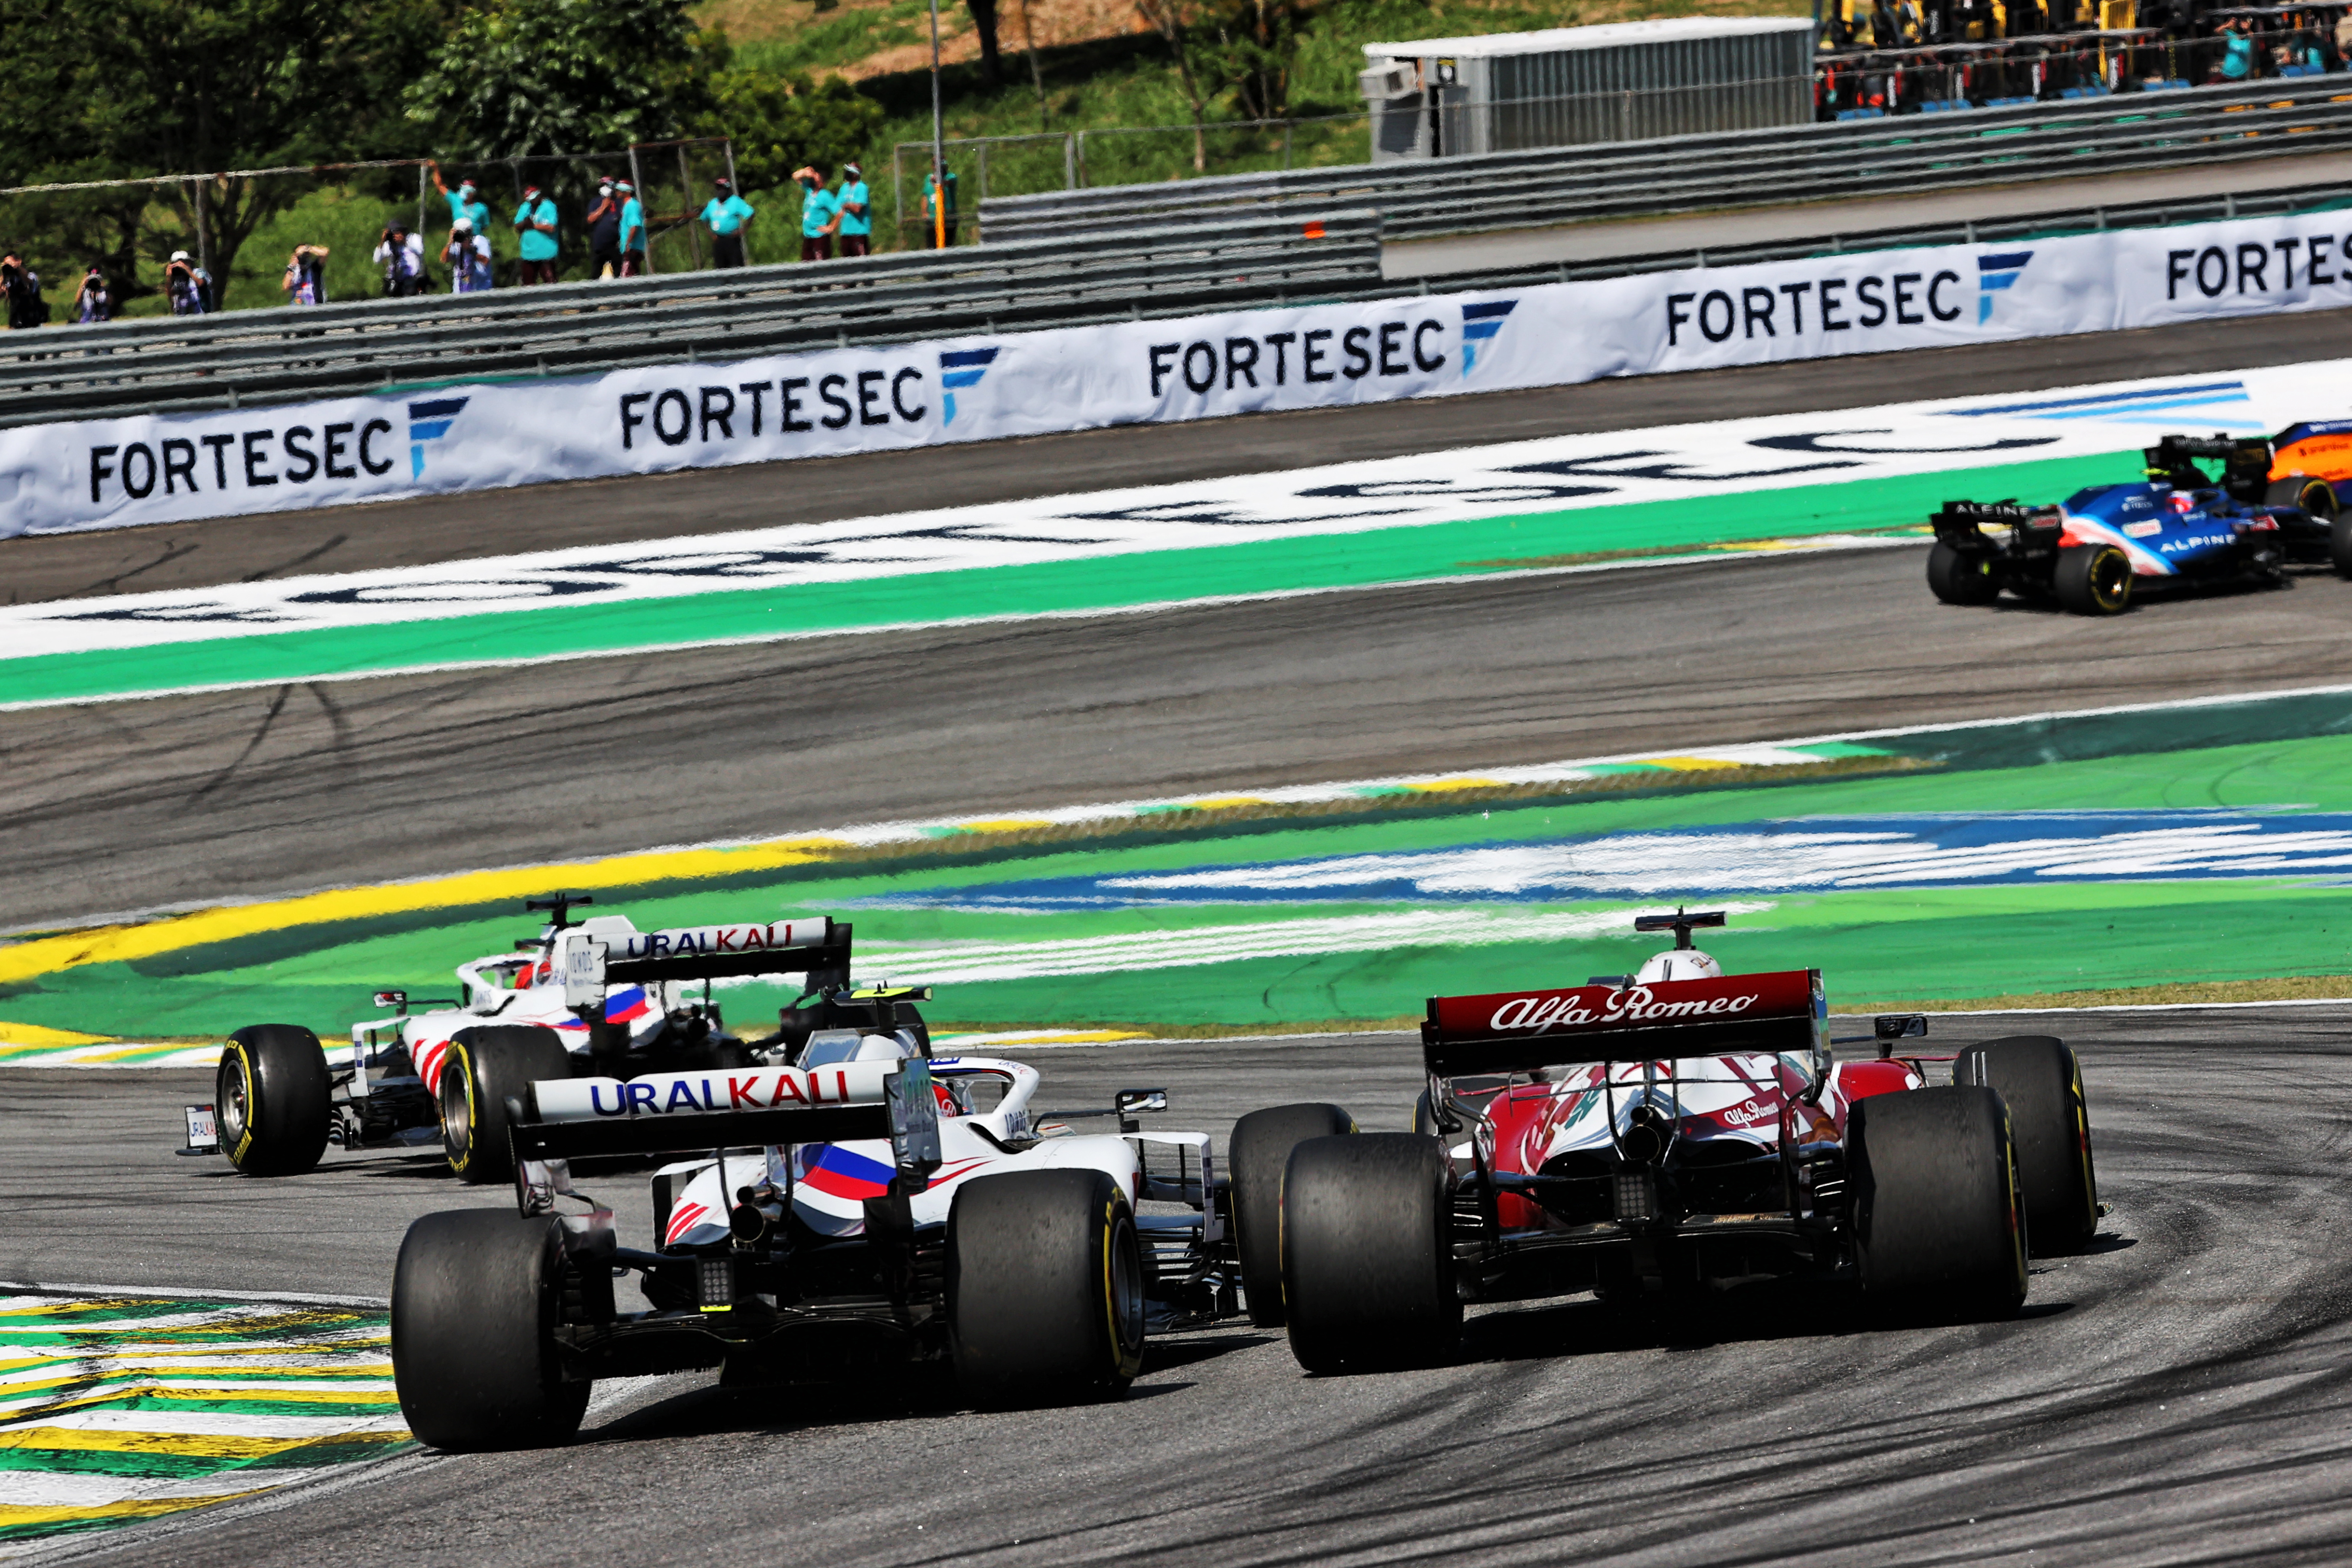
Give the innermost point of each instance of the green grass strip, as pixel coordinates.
(1325, 561)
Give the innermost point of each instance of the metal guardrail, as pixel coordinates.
(588, 333)
(247, 357)
(1818, 162)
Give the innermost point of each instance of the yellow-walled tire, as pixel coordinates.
(270, 1095)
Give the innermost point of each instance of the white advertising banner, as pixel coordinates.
(104, 473)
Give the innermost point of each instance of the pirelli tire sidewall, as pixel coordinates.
(1256, 1155)
(2094, 579)
(272, 1094)
(485, 1064)
(1046, 1288)
(1368, 1253)
(1958, 576)
(1939, 1218)
(2040, 1079)
(477, 1296)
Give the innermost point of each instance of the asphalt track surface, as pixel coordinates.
(116, 806)
(2179, 1394)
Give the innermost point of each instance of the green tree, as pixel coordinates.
(779, 123)
(113, 88)
(520, 77)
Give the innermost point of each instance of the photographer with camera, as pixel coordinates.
(467, 255)
(401, 256)
(93, 301)
(23, 286)
(305, 275)
(188, 286)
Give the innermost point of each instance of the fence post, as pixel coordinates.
(420, 201)
(1083, 177)
(983, 168)
(685, 189)
(203, 235)
(1069, 162)
(1286, 144)
(898, 191)
(644, 204)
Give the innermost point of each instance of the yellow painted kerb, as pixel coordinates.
(119, 944)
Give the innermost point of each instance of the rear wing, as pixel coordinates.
(818, 947)
(561, 1119)
(1518, 1031)
(1966, 518)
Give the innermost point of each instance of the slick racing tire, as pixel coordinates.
(476, 1298)
(270, 1095)
(2339, 545)
(1045, 1288)
(484, 1067)
(2093, 580)
(1960, 577)
(2317, 496)
(1368, 1253)
(1939, 1229)
(1256, 1157)
(2040, 1081)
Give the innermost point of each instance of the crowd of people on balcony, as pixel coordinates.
(1904, 56)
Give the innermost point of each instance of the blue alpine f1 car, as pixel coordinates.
(2094, 551)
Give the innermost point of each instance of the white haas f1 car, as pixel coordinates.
(443, 1076)
(1642, 1139)
(854, 1209)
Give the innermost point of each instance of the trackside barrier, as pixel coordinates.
(1820, 163)
(482, 435)
(260, 356)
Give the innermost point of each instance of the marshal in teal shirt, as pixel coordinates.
(536, 246)
(817, 208)
(728, 216)
(855, 222)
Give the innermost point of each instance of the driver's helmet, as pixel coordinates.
(828, 1048)
(1679, 964)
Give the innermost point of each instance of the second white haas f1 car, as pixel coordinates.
(854, 1209)
(443, 1076)
(1644, 1138)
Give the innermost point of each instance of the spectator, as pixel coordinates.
(465, 201)
(468, 256)
(604, 233)
(94, 301)
(931, 212)
(401, 256)
(819, 215)
(305, 275)
(535, 221)
(857, 208)
(2237, 52)
(727, 212)
(187, 286)
(25, 307)
(633, 231)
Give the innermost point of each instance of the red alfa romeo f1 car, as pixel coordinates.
(1644, 1137)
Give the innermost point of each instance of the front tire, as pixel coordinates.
(2040, 1081)
(484, 1067)
(2094, 579)
(1045, 1287)
(1368, 1253)
(476, 1297)
(271, 1091)
(1939, 1225)
(1256, 1157)
(1961, 577)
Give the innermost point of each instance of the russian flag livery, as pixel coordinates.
(842, 1172)
(626, 1005)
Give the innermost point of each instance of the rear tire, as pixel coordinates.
(2040, 1081)
(2339, 545)
(1939, 1229)
(2094, 579)
(1960, 577)
(476, 1297)
(485, 1064)
(1044, 1287)
(1256, 1157)
(1368, 1253)
(271, 1094)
